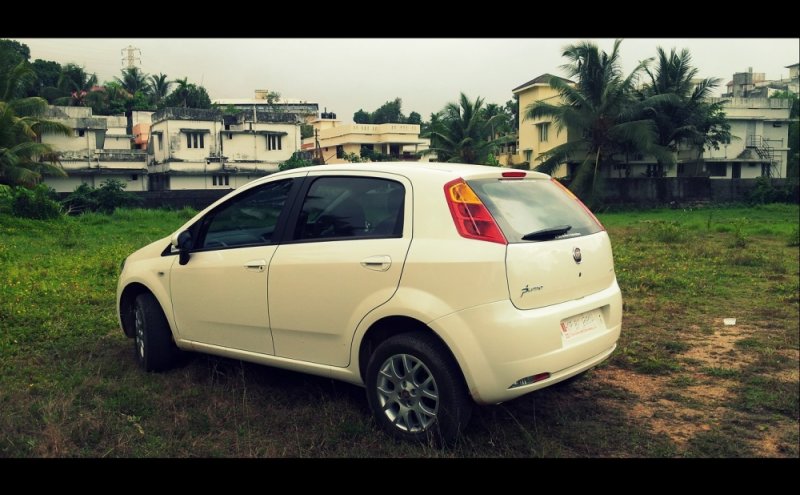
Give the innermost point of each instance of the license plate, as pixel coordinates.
(582, 324)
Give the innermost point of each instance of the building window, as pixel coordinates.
(274, 142)
(221, 180)
(195, 140)
(81, 132)
(717, 169)
(160, 142)
(528, 155)
(543, 131)
(766, 170)
(340, 151)
(134, 176)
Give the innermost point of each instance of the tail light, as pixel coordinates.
(470, 215)
(572, 195)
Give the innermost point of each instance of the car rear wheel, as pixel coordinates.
(416, 391)
(155, 349)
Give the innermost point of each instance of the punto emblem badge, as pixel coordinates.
(576, 255)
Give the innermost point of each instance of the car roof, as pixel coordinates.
(414, 170)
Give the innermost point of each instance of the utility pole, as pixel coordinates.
(129, 56)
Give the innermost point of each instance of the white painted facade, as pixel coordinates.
(199, 149)
(401, 141)
(98, 149)
(760, 140)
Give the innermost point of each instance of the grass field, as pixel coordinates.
(680, 384)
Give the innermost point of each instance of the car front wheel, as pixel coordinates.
(155, 349)
(416, 391)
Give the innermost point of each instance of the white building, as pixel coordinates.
(393, 141)
(760, 140)
(200, 149)
(98, 149)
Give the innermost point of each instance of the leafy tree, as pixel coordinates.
(461, 134)
(294, 162)
(187, 95)
(389, 112)
(12, 53)
(47, 74)
(361, 117)
(23, 157)
(601, 113)
(306, 131)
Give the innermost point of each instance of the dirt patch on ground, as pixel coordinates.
(677, 421)
(718, 350)
(680, 411)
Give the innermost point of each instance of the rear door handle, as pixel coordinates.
(256, 265)
(379, 263)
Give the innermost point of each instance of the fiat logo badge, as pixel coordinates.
(576, 255)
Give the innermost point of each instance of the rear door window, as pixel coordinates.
(522, 207)
(351, 207)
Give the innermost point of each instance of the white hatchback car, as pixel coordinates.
(433, 285)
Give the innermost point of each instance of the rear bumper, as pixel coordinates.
(497, 344)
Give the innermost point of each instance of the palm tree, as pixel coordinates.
(601, 113)
(23, 157)
(687, 116)
(133, 80)
(180, 93)
(462, 135)
(159, 87)
(74, 83)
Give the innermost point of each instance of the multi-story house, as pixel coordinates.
(758, 145)
(760, 140)
(98, 149)
(336, 140)
(204, 149)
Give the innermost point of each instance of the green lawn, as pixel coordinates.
(680, 384)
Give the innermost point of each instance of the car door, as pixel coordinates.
(343, 256)
(220, 296)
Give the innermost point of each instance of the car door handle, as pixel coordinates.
(379, 263)
(256, 265)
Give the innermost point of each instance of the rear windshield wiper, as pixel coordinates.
(548, 233)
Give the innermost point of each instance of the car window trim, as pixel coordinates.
(288, 233)
(201, 225)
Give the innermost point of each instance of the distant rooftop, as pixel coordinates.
(543, 79)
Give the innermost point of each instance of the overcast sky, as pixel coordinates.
(347, 74)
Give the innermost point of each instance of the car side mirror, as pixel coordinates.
(182, 241)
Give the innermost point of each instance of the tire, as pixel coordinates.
(153, 344)
(429, 405)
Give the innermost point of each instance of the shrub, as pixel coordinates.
(106, 198)
(38, 203)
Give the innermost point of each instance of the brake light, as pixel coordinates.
(572, 195)
(470, 215)
(514, 175)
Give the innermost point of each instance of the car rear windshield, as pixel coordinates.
(525, 207)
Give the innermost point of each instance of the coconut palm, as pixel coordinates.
(462, 134)
(23, 157)
(159, 87)
(133, 80)
(687, 116)
(74, 84)
(601, 114)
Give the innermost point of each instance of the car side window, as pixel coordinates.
(248, 219)
(351, 207)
